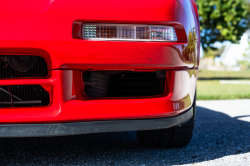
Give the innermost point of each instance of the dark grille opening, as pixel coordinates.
(23, 96)
(124, 84)
(11, 66)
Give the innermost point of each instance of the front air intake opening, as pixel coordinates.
(23, 96)
(14, 66)
(124, 83)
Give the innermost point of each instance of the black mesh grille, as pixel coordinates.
(131, 84)
(31, 94)
(124, 84)
(38, 70)
(23, 95)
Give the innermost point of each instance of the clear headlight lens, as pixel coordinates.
(128, 32)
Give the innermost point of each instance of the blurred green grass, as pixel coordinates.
(245, 74)
(209, 88)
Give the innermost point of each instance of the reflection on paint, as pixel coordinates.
(188, 52)
(192, 73)
(183, 103)
(184, 89)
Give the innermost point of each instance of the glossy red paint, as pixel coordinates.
(51, 28)
(67, 106)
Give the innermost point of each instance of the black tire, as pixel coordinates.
(174, 137)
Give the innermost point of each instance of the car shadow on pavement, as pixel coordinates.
(216, 135)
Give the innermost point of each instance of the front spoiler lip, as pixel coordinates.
(77, 128)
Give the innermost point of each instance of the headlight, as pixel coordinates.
(128, 32)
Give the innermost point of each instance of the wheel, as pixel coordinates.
(174, 137)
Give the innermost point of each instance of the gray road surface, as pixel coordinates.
(221, 137)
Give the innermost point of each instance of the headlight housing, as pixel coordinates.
(128, 32)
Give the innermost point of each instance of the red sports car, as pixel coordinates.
(78, 67)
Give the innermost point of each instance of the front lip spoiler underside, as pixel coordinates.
(77, 128)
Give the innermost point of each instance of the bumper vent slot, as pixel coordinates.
(134, 84)
(124, 84)
(23, 96)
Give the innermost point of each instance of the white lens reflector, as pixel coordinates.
(128, 32)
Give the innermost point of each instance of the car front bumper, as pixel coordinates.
(67, 59)
(66, 107)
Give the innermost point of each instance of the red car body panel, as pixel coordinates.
(66, 109)
(47, 28)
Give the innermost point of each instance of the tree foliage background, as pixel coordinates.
(222, 20)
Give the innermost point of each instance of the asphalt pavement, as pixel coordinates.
(221, 137)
